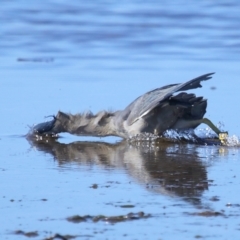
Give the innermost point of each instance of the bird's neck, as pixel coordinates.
(87, 124)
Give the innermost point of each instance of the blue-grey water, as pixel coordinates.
(94, 55)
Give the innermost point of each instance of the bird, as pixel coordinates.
(164, 108)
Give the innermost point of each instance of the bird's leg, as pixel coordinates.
(221, 135)
(211, 125)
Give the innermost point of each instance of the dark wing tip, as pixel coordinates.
(206, 76)
(196, 82)
(203, 77)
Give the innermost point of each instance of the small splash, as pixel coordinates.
(203, 136)
(170, 135)
(32, 134)
(188, 135)
(143, 137)
(45, 137)
(233, 141)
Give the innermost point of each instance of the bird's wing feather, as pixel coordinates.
(145, 103)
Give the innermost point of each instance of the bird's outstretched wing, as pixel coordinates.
(145, 103)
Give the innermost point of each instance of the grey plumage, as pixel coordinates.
(154, 112)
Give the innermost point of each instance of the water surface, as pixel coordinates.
(84, 56)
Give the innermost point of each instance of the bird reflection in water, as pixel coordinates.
(170, 169)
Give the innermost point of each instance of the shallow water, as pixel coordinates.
(84, 56)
